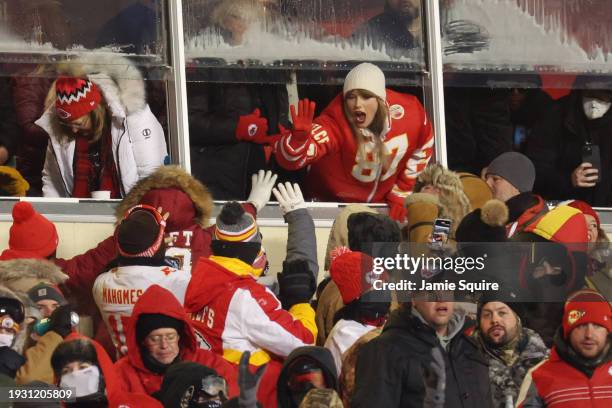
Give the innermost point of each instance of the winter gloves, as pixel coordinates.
(261, 188)
(289, 197)
(248, 382)
(296, 283)
(61, 320)
(12, 182)
(10, 361)
(252, 128)
(397, 211)
(302, 123)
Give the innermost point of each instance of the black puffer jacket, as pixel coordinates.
(555, 147)
(218, 160)
(389, 371)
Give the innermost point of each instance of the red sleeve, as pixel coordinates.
(417, 161)
(222, 367)
(82, 270)
(323, 140)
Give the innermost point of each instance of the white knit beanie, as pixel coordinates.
(368, 77)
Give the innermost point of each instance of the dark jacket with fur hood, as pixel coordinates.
(190, 206)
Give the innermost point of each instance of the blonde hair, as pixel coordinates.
(378, 125)
(249, 10)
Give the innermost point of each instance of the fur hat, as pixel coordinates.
(476, 189)
(422, 210)
(486, 224)
(31, 235)
(368, 77)
(455, 204)
(586, 306)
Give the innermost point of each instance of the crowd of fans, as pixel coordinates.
(188, 314)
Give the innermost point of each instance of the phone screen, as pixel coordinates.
(441, 231)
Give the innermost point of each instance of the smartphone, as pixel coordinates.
(440, 233)
(590, 154)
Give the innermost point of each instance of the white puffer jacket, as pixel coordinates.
(138, 140)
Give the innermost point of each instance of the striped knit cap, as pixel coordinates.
(76, 97)
(564, 224)
(236, 225)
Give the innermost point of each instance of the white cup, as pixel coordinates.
(101, 195)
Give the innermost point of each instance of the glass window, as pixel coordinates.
(248, 55)
(83, 90)
(533, 76)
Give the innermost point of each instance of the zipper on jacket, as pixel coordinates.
(121, 187)
(60, 170)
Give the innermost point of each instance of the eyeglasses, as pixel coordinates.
(158, 338)
(9, 324)
(306, 381)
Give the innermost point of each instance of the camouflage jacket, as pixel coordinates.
(506, 380)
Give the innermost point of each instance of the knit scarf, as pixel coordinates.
(94, 167)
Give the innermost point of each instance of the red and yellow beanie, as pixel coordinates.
(76, 97)
(584, 208)
(564, 224)
(586, 306)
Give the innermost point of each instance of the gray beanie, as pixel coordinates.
(516, 168)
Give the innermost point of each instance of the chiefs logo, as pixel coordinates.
(574, 316)
(252, 129)
(396, 112)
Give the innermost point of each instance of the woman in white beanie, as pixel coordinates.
(368, 145)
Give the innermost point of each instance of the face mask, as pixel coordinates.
(84, 382)
(207, 404)
(6, 340)
(595, 108)
(260, 265)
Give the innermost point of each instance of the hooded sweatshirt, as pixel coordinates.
(323, 359)
(115, 396)
(131, 370)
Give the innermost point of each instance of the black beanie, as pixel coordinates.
(365, 229)
(179, 379)
(495, 296)
(486, 224)
(153, 321)
(73, 350)
(138, 232)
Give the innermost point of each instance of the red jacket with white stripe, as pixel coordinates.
(338, 173)
(556, 383)
(232, 313)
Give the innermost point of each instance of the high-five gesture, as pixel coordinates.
(302, 120)
(252, 128)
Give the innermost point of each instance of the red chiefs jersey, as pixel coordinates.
(338, 173)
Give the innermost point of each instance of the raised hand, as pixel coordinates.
(252, 128)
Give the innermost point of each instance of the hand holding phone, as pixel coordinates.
(440, 233)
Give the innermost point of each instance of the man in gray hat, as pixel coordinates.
(511, 176)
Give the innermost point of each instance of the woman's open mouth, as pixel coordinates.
(360, 117)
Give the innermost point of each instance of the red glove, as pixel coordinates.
(397, 211)
(253, 128)
(302, 122)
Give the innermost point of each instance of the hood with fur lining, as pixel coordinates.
(20, 275)
(176, 191)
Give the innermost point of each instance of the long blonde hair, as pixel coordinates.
(377, 127)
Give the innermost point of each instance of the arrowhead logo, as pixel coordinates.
(574, 316)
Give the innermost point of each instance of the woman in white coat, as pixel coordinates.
(102, 134)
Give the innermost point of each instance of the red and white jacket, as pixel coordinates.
(339, 173)
(232, 313)
(117, 291)
(556, 383)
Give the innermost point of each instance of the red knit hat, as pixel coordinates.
(584, 208)
(348, 271)
(31, 235)
(586, 306)
(76, 97)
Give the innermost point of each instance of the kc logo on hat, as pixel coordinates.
(574, 315)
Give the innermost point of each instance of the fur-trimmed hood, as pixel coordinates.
(119, 80)
(19, 275)
(455, 203)
(176, 191)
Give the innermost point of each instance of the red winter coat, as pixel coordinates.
(190, 207)
(556, 383)
(336, 174)
(131, 371)
(115, 395)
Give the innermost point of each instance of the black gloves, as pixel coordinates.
(61, 320)
(248, 382)
(10, 361)
(296, 283)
